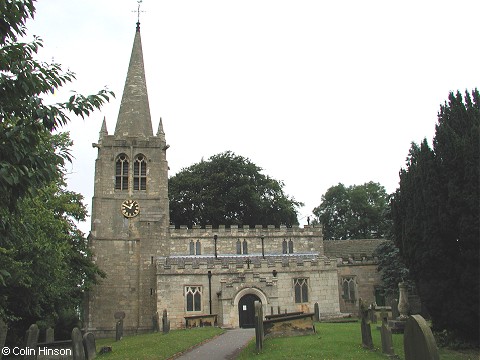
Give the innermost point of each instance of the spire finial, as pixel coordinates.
(138, 11)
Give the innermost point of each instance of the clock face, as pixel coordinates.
(130, 208)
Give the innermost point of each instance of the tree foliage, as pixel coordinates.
(436, 216)
(45, 254)
(392, 268)
(229, 190)
(24, 114)
(44, 263)
(354, 212)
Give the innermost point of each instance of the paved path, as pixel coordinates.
(225, 346)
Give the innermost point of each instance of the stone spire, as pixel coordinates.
(134, 114)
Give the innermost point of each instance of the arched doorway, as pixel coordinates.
(246, 310)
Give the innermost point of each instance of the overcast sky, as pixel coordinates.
(314, 92)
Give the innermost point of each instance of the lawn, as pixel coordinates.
(335, 341)
(156, 345)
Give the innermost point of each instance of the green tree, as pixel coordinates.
(354, 212)
(229, 190)
(392, 268)
(44, 264)
(436, 215)
(24, 113)
(45, 255)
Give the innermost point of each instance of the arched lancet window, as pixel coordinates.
(239, 247)
(140, 173)
(290, 246)
(121, 172)
(192, 248)
(284, 246)
(245, 246)
(198, 248)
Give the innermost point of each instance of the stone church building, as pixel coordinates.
(151, 265)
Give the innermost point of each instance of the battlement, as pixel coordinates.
(246, 230)
(245, 240)
(242, 263)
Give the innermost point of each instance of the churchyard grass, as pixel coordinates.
(336, 341)
(156, 345)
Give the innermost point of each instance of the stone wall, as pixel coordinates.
(271, 279)
(367, 278)
(304, 240)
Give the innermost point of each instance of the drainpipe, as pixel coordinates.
(263, 249)
(210, 290)
(215, 239)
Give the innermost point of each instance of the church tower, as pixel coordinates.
(130, 215)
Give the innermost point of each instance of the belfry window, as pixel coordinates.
(301, 290)
(121, 172)
(140, 173)
(193, 295)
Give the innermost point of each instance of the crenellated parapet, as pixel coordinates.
(237, 240)
(272, 264)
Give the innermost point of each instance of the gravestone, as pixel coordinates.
(372, 317)
(394, 306)
(119, 330)
(31, 341)
(403, 306)
(77, 345)
(259, 334)
(317, 312)
(3, 335)
(165, 322)
(383, 316)
(367, 341)
(418, 340)
(387, 342)
(119, 316)
(49, 335)
(89, 346)
(155, 323)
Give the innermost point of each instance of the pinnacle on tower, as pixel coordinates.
(134, 114)
(103, 130)
(160, 128)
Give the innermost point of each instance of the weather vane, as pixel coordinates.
(138, 11)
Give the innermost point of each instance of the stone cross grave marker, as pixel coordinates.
(367, 341)
(31, 341)
(77, 345)
(3, 335)
(418, 340)
(89, 346)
